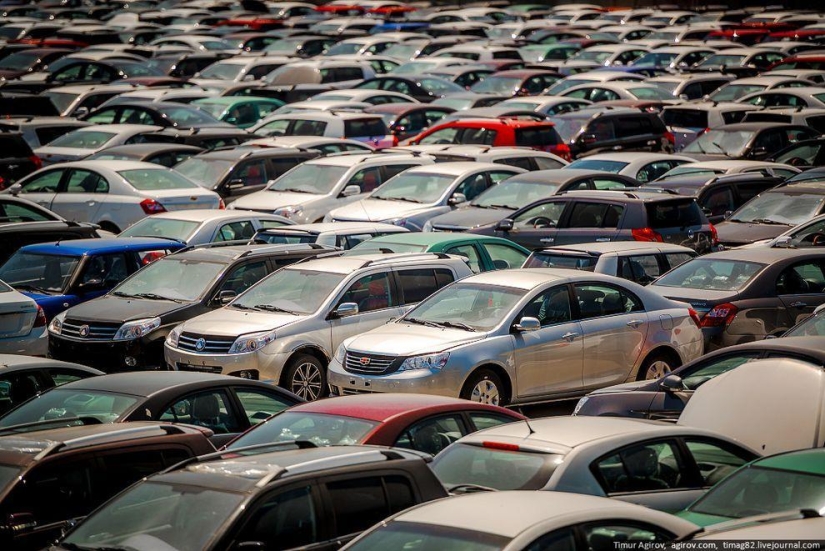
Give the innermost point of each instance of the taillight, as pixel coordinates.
(694, 315)
(151, 256)
(150, 206)
(501, 446)
(714, 235)
(670, 137)
(36, 161)
(562, 150)
(40, 320)
(221, 205)
(720, 315)
(646, 234)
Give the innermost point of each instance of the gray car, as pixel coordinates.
(519, 336)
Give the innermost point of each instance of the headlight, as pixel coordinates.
(340, 353)
(56, 326)
(136, 329)
(174, 334)
(290, 211)
(431, 361)
(428, 226)
(251, 342)
(579, 405)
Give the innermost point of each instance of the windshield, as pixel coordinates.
(683, 170)
(317, 179)
(89, 139)
(61, 100)
(716, 142)
(598, 164)
(717, 60)
(153, 179)
(184, 115)
(493, 467)
(403, 51)
(292, 290)
(205, 172)
(569, 127)
(566, 84)
(546, 260)
(743, 494)
(481, 307)
(172, 278)
(344, 48)
(222, 71)
(654, 59)
(813, 326)
(732, 92)
(513, 194)
(64, 403)
(8, 474)
(649, 92)
(45, 273)
(214, 109)
(285, 46)
(428, 537)
(19, 61)
(787, 209)
(154, 515)
(591, 55)
(497, 85)
(711, 275)
(285, 237)
(318, 428)
(415, 188)
(152, 226)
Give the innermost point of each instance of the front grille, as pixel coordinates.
(353, 391)
(210, 344)
(89, 330)
(370, 364)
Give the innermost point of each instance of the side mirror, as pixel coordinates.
(345, 309)
(588, 139)
(225, 297)
(728, 214)
(80, 111)
(457, 199)
(505, 225)
(351, 190)
(707, 211)
(672, 383)
(761, 150)
(233, 185)
(398, 130)
(527, 324)
(683, 97)
(91, 285)
(15, 189)
(783, 242)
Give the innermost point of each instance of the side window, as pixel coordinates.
(349, 241)
(604, 534)
(550, 307)
(14, 212)
(104, 116)
(283, 164)
(653, 170)
(308, 128)
(55, 493)
(608, 183)
(84, 181)
(432, 435)
(17, 388)
(266, 224)
(559, 540)
(45, 183)
(505, 257)
(640, 268)
(519, 162)
(545, 163)
(258, 405)
(417, 285)
(471, 187)
(252, 173)
(674, 259)
(135, 116)
(603, 130)
(234, 231)
(801, 279)
(714, 461)
(392, 170)
(587, 215)
(122, 469)
(644, 468)
(244, 276)
(357, 504)
(62, 376)
(483, 420)
(470, 252)
(370, 293)
(367, 179)
(749, 191)
(718, 201)
(600, 300)
(284, 521)
(207, 409)
(105, 271)
(545, 215)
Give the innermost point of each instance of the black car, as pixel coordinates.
(126, 328)
(69, 70)
(300, 497)
(522, 189)
(167, 155)
(718, 196)
(584, 216)
(233, 172)
(225, 405)
(600, 129)
(803, 154)
(160, 113)
(406, 120)
(420, 87)
(665, 397)
(186, 64)
(753, 141)
(17, 159)
(203, 137)
(21, 377)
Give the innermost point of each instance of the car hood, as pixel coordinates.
(121, 309)
(734, 233)
(406, 339)
(271, 200)
(376, 210)
(627, 387)
(231, 322)
(701, 300)
(470, 217)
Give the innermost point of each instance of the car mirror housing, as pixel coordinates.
(505, 225)
(527, 324)
(672, 383)
(351, 190)
(345, 309)
(225, 297)
(457, 199)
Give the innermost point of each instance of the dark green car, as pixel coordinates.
(485, 253)
(243, 111)
(784, 482)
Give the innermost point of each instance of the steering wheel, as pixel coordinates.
(817, 239)
(541, 222)
(797, 161)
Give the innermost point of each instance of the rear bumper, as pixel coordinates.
(36, 343)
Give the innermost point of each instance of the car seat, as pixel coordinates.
(377, 298)
(53, 276)
(206, 412)
(21, 390)
(370, 181)
(760, 496)
(642, 468)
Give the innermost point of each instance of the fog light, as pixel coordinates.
(130, 361)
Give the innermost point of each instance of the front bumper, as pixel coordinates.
(419, 381)
(36, 343)
(109, 356)
(266, 367)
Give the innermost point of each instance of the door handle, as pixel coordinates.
(90, 203)
(547, 239)
(635, 323)
(602, 239)
(569, 336)
(798, 304)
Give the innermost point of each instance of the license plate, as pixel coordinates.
(200, 368)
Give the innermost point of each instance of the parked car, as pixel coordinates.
(521, 157)
(126, 328)
(343, 235)
(419, 422)
(659, 465)
(587, 216)
(38, 131)
(747, 140)
(641, 262)
(459, 341)
(113, 194)
(665, 395)
(57, 476)
(804, 154)
(687, 121)
(370, 129)
(747, 294)
(718, 168)
(521, 521)
(199, 227)
(242, 112)
(163, 114)
(642, 167)
(23, 376)
(317, 500)
(412, 198)
(312, 307)
(406, 120)
(167, 155)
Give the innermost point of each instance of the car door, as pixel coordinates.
(42, 188)
(549, 360)
(801, 288)
(537, 225)
(590, 221)
(81, 195)
(212, 408)
(614, 328)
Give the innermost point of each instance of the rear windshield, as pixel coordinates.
(550, 260)
(711, 274)
(688, 118)
(674, 214)
(491, 467)
(285, 238)
(14, 146)
(365, 127)
(532, 137)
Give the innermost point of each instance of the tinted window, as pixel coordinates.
(801, 279)
(365, 127)
(431, 435)
(688, 118)
(600, 300)
(549, 307)
(258, 405)
(419, 284)
(715, 462)
(668, 214)
(675, 259)
(641, 268)
(357, 504)
(207, 409)
(284, 521)
(244, 276)
(532, 137)
(370, 292)
(469, 252)
(649, 467)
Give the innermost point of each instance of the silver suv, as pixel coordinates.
(285, 328)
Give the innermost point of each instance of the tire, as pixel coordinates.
(485, 387)
(306, 377)
(656, 366)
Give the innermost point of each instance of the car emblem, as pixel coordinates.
(200, 344)
(364, 360)
(83, 331)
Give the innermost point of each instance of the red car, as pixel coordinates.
(416, 421)
(508, 132)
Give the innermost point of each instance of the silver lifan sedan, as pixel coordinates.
(519, 336)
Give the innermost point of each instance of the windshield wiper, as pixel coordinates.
(425, 322)
(458, 325)
(153, 296)
(771, 222)
(243, 307)
(122, 294)
(292, 189)
(35, 288)
(271, 308)
(467, 488)
(407, 199)
(721, 150)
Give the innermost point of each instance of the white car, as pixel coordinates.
(363, 127)
(642, 166)
(83, 142)
(22, 324)
(113, 194)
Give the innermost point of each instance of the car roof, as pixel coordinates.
(13, 362)
(351, 263)
(139, 383)
(204, 215)
(596, 249)
(765, 254)
(456, 168)
(435, 238)
(152, 147)
(336, 227)
(630, 156)
(80, 247)
(754, 126)
(530, 278)
(556, 175)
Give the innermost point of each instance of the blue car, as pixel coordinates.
(62, 274)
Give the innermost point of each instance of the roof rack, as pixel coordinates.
(281, 247)
(299, 444)
(423, 256)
